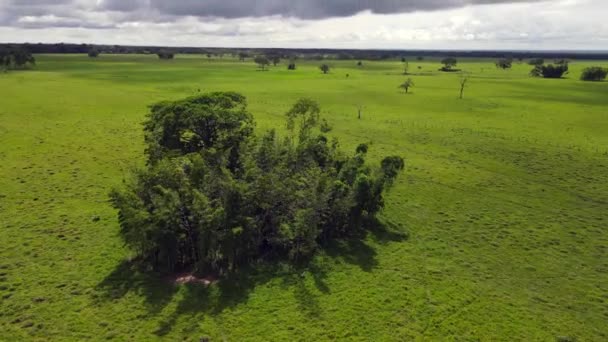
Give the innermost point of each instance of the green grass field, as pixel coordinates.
(502, 208)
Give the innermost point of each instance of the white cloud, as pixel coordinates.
(559, 24)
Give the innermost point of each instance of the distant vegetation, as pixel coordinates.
(214, 196)
(504, 63)
(407, 85)
(594, 74)
(15, 58)
(324, 68)
(557, 70)
(449, 64)
(262, 62)
(165, 55)
(93, 53)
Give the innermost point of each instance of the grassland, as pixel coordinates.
(502, 209)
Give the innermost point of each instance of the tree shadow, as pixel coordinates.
(196, 300)
(131, 276)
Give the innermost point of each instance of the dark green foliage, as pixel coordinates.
(536, 61)
(594, 74)
(165, 55)
(262, 62)
(550, 70)
(448, 63)
(275, 59)
(324, 68)
(291, 66)
(93, 53)
(407, 85)
(504, 63)
(15, 58)
(214, 196)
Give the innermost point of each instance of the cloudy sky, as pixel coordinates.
(386, 24)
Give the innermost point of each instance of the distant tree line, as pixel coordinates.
(214, 196)
(315, 54)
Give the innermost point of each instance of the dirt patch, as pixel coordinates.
(189, 278)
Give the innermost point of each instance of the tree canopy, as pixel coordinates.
(214, 196)
(324, 68)
(262, 62)
(550, 70)
(449, 63)
(504, 63)
(15, 58)
(594, 74)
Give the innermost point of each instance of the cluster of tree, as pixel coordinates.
(214, 196)
(165, 55)
(15, 58)
(557, 70)
(594, 74)
(504, 63)
(449, 64)
(93, 53)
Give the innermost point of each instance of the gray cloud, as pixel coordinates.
(304, 9)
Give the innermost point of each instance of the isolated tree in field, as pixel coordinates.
(291, 65)
(359, 110)
(359, 63)
(93, 53)
(324, 68)
(464, 79)
(406, 67)
(243, 56)
(262, 62)
(449, 63)
(594, 74)
(504, 63)
(165, 55)
(275, 59)
(550, 70)
(407, 85)
(213, 197)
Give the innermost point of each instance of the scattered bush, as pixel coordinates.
(214, 196)
(93, 53)
(594, 74)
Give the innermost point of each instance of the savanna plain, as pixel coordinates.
(497, 229)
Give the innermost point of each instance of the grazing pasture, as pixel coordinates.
(496, 231)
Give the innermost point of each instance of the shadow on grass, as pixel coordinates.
(235, 288)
